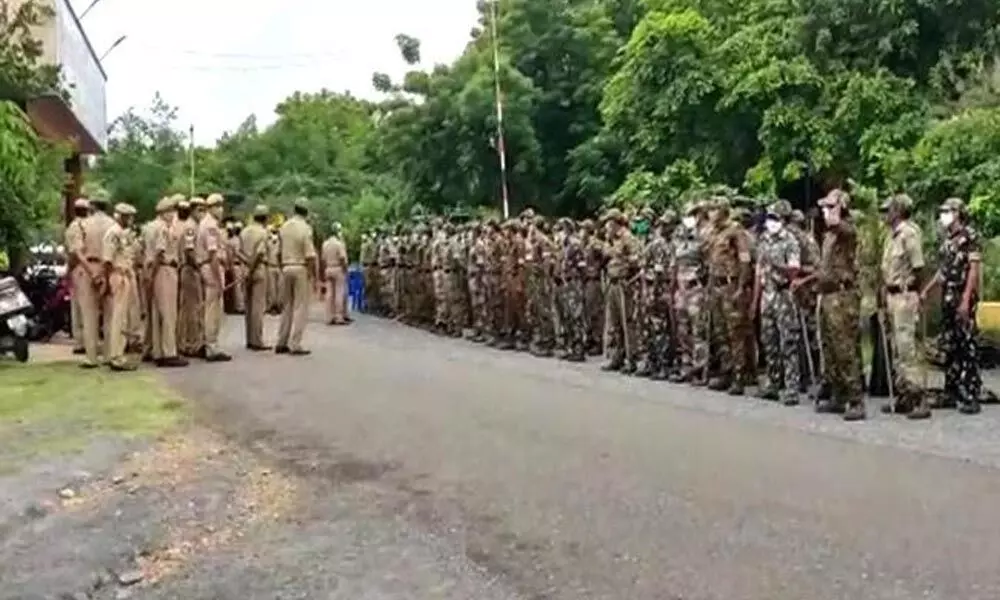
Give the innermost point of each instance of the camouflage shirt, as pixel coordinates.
(957, 253)
(775, 253)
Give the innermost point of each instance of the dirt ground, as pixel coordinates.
(394, 464)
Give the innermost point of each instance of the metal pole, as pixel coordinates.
(112, 47)
(501, 146)
(191, 158)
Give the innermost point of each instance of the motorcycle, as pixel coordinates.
(14, 322)
(49, 292)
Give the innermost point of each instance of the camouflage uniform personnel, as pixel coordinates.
(515, 325)
(729, 271)
(593, 294)
(387, 262)
(655, 301)
(960, 256)
(778, 259)
(541, 255)
(623, 264)
(497, 250)
(477, 277)
(902, 262)
(641, 222)
(458, 315)
(439, 275)
(688, 270)
(573, 270)
(366, 257)
(805, 296)
(840, 308)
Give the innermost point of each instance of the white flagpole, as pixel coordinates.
(191, 158)
(501, 146)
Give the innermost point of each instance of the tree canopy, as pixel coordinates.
(625, 102)
(31, 170)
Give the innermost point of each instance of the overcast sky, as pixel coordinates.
(219, 61)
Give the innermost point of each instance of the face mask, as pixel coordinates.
(689, 222)
(640, 228)
(946, 218)
(832, 216)
(773, 226)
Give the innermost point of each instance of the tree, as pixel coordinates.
(31, 170)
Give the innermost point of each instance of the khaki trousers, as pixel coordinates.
(76, 318)
(90, 302)
(336, 296)
(904, 311)
(116, 322)
(295, 294)
(164, 328)
(212, 312)
(256, 306)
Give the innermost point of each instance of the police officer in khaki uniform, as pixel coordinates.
(335, 264)
(167, 241)
(298, 266)
(88, 279)
(237, 266)
(210, 250)
(148, 233)
(116, 255)
(72, 238)
(253, 248)
(902, 275)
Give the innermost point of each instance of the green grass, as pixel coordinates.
(57, 408)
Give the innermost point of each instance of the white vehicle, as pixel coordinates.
(47, 256)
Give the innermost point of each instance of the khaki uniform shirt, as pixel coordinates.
(209, 241)
(296, 242)
(334, 255)
(116, 248)
(94, 227)
(73, 239)
(253, 245)
(167, 244)
(902, 256)
(149, 232)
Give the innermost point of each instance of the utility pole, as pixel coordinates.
(501, 146)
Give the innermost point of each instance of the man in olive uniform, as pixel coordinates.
(334, 254)
(439, 273)
(298, 272)
(190, 298)
(210, 251)
(689, 275)
(72, 238)
(655, 280)
(837, 278)
(778, 264)
(899, 300)
(118, 262)
(805, 297)
(477, 279)
(253, 248)
(623, 265)
(573, 270)
(167, 245)
(729, 273)
(593, 293)
(960, 259)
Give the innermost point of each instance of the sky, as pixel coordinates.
(219, 61)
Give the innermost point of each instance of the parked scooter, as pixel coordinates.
(49, 292)
(14, 323)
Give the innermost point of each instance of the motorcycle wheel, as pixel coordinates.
(21, 350)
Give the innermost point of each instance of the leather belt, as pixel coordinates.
(898, 289)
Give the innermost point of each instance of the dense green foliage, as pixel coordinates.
(630, 101)
(31, 179)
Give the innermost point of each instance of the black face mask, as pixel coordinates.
(183, 214)
(80, 212)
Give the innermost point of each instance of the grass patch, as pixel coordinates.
(56, 408)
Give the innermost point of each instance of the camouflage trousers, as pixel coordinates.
(840, 331)
(619, 325)
(730, 323)
(533, 294)
(389, 293)
(494, 305)
(809, 338)
(657, 350)
(779, 341)
(477, 301)
(962, 380)
(440, 283)
(514, 309)
(692, 326)
(904, 312)
(458, 307)
(543, 332)
(593, 303)
(571, 311)
(635, 289)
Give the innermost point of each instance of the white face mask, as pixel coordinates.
(946, 218)
(689, 222)
(773, 226)
(831, 215)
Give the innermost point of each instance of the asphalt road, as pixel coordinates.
(548, 480)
